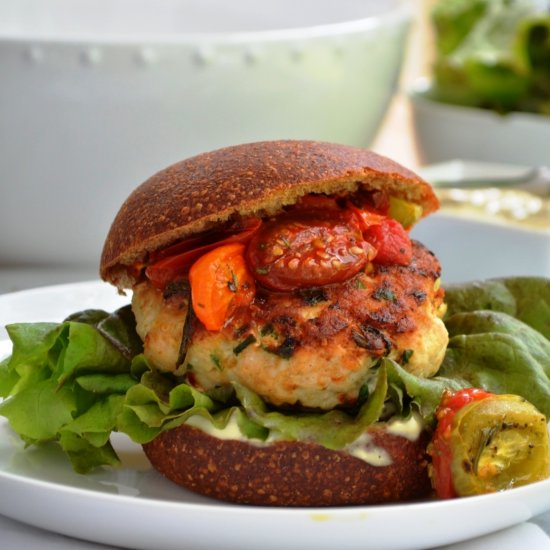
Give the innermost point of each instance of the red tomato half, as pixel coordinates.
(391, 241)
(301, 251)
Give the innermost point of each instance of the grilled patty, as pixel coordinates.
(312, 348)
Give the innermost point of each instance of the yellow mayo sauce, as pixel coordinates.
(362, 448)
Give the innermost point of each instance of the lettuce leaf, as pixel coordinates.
(67, 382)
(525, 298)
(149, 409)
(333, 429)
(493, 54)
(495, 351)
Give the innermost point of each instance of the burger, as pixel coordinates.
(288, 344)
(277, 278)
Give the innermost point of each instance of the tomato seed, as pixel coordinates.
(294, 263)
(318, 243)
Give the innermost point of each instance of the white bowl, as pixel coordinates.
(444, 132)
(473, 248)
(97, 95)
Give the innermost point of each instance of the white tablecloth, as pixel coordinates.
(532, 535)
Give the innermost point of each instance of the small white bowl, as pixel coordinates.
(444, 132)
(494, 220)
(475, 247)
(97, 95)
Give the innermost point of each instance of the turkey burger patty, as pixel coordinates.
(310, 347)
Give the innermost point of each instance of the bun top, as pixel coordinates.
(260, 178)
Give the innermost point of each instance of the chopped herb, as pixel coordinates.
(216, 361)
(250, 339)
(189, 367)
(363, 394)
(385, 293)
(286, 242)
(262, 270)
(359, 283)
(287, 348)
(233, 284)
(187, 330)
(418, 295)
(313, 296)
(405, 358)
(268, 330)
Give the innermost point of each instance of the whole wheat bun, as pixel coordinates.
(290, 473)
(255, 178)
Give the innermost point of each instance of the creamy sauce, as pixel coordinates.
(231, 430)
(362, 448)
(409, 428)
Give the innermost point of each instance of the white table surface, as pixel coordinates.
(534, 534)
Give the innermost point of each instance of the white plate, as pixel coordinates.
(134, 507)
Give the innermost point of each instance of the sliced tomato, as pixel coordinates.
(174, 262)
(220, 283)
(440, 448)
(304, 251)
(391, 241)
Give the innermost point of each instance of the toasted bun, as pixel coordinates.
(290, 473)
(198, 193)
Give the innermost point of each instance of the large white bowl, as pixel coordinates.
(444, 132)
(96, 95)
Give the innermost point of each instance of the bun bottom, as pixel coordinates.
(290, 473)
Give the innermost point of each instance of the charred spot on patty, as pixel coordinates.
(371, 339)
(419, 295)
(313, 296)
(286, 349)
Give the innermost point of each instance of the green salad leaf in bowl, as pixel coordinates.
(493, 54)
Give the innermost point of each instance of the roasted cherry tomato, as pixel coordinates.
(391, 241)
(174, 261)
(303, 250)
(220, 283)
(368, 217)
(485, 443)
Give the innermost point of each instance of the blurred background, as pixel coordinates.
(97, 95)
